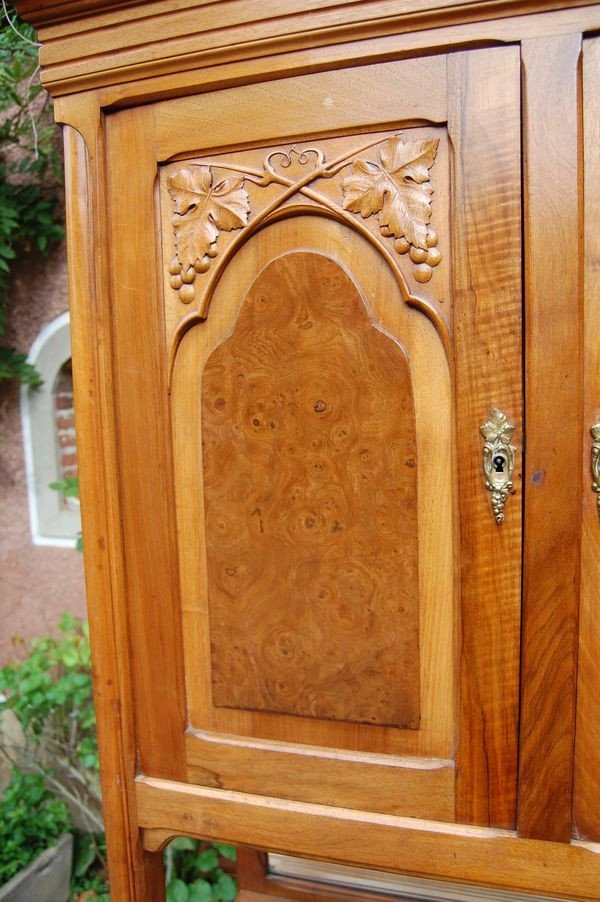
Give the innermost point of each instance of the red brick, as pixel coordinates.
(64, 402)
(68, 460)
(64, 422)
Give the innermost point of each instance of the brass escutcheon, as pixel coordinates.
(498, 460)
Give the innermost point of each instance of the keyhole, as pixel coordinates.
(499, 464)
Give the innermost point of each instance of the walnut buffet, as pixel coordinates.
(330, 262)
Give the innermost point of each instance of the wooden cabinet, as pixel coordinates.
(334, 299)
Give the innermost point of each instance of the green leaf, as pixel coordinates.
(177, 891)
(207, 860)
(225, 850)
(85, 854)
(184, 844)
(200, 891)
(225, 889)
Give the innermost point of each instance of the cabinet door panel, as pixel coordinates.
(310, 493)
(331, 311)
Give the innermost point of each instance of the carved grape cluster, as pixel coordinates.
(425, 259)
(182, 280)
(397, 191)
(201, 210)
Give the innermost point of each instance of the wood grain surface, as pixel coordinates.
(310, 489)
(411, 786)
(553, 479)
(106, 46)
(484, 126)
(134, 873)
(151, 594)
(480, 855)
(346, 790)
(586, 802)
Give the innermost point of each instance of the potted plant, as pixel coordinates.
(35, 845)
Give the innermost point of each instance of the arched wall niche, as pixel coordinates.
(49, 438)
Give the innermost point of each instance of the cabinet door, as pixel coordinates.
(317, 304)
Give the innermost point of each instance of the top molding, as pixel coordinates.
(49, 12)
(91, 44)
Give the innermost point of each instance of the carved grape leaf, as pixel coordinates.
(202, 209)
(397, 189)
(498, 426)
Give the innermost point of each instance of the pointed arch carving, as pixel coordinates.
(392, 189)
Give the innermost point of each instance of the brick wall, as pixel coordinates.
(65, 425)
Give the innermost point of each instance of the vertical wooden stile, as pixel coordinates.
(586, 813)
(134, 873)
(552, 243)
(484, 126)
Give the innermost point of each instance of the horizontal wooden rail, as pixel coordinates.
(465, 854)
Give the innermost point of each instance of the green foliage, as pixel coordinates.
(29, 171)
(50, 693)
(69, 486)
(31, 819)
(89, 872)
(15, 366)
(194, 873)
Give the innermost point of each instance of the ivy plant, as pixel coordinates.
(29, 172)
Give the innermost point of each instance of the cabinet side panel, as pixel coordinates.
(134, 873)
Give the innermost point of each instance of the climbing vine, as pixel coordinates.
(29, 171)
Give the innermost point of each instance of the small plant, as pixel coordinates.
(50, 693)
(69, 488)
(194, 872)
(31, 819)
(89, 879)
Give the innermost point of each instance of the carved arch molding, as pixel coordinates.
(381, 189)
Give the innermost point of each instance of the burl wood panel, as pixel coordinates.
(309, 456)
